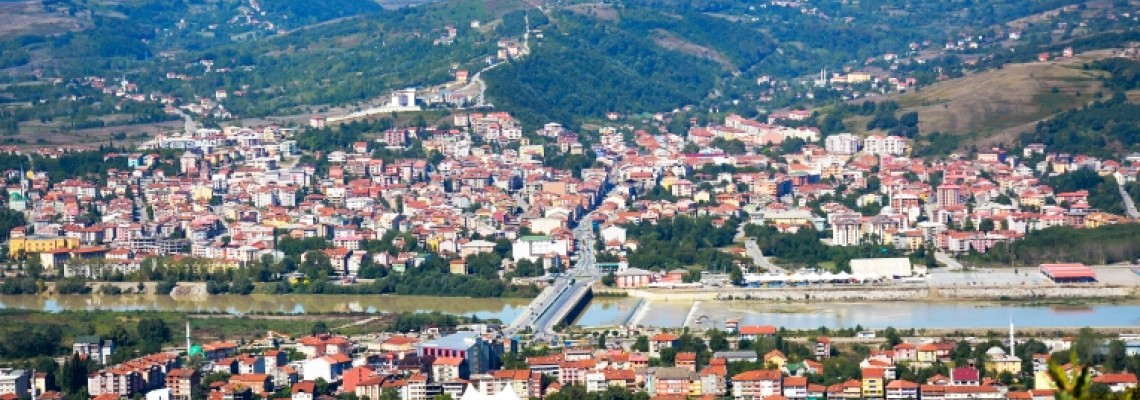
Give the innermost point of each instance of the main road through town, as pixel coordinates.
(551, 306)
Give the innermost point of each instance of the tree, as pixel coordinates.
(986, 225)
(692, 276)
(1115, 360)
(968, 225)
(961, 352)
(1087, 346)
(736, 276)
(641, 344)
(242, 286)
(73, 376)
(166, 286)
(121, 336)
(389, 394)
(1005, 377)
(1099, 391)
(48, 365)
(718, 341)
(609, 279)
(153, 331)
(321, 386)
(316, 265)
(893, 337)
(319, 328)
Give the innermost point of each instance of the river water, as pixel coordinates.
(613, 311)
(919, 315)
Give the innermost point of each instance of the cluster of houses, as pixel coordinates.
(231, 190)
(226, 192)
(468, 364)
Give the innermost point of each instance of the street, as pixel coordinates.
(1129, 205)
(759, 259)
(950, 262)
(542, 312)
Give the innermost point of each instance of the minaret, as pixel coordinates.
(187, 337)
(1011, 342)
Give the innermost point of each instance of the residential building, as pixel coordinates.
(15, 381)
(93, 348)
(183, 383)
(480, 354)
(757, 385)
(873, 383)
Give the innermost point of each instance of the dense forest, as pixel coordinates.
(586, 69)
(1103, 128)
(305, 12)
(1103, 191)
(744, 46)
(1097, 246)
(681, 242)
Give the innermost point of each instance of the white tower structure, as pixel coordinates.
(188, 337)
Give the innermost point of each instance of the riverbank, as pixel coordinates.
(887, 293)
(265, 304)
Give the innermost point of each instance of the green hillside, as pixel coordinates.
(589, 67)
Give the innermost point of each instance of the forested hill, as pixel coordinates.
(588, 67)
(587, 57)
(640, 56)
(305, 12)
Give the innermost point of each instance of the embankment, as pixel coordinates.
(893, 293)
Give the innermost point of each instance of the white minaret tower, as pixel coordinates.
(188, 337)
(1011, 339)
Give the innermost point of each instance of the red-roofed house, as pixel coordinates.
(1117, 382)
(965, 376)
(751, 332)
(662, 341)
(901, 390)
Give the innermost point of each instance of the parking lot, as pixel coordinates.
(1109, 275)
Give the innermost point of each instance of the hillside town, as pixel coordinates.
(480, 198)
(222, 198)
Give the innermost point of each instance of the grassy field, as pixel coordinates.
(203, 327)
(996, 105)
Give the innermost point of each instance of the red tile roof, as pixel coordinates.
(758, 375)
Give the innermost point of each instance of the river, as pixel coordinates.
(918, 315)
(612, 311)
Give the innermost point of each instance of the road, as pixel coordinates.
(477, 79)
(542, 314)
(189, 126)
(1129, 206)
(759, 259)
(950, 262)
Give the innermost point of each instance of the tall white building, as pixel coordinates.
(843, 143)
(536, 247)
(879, 145)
